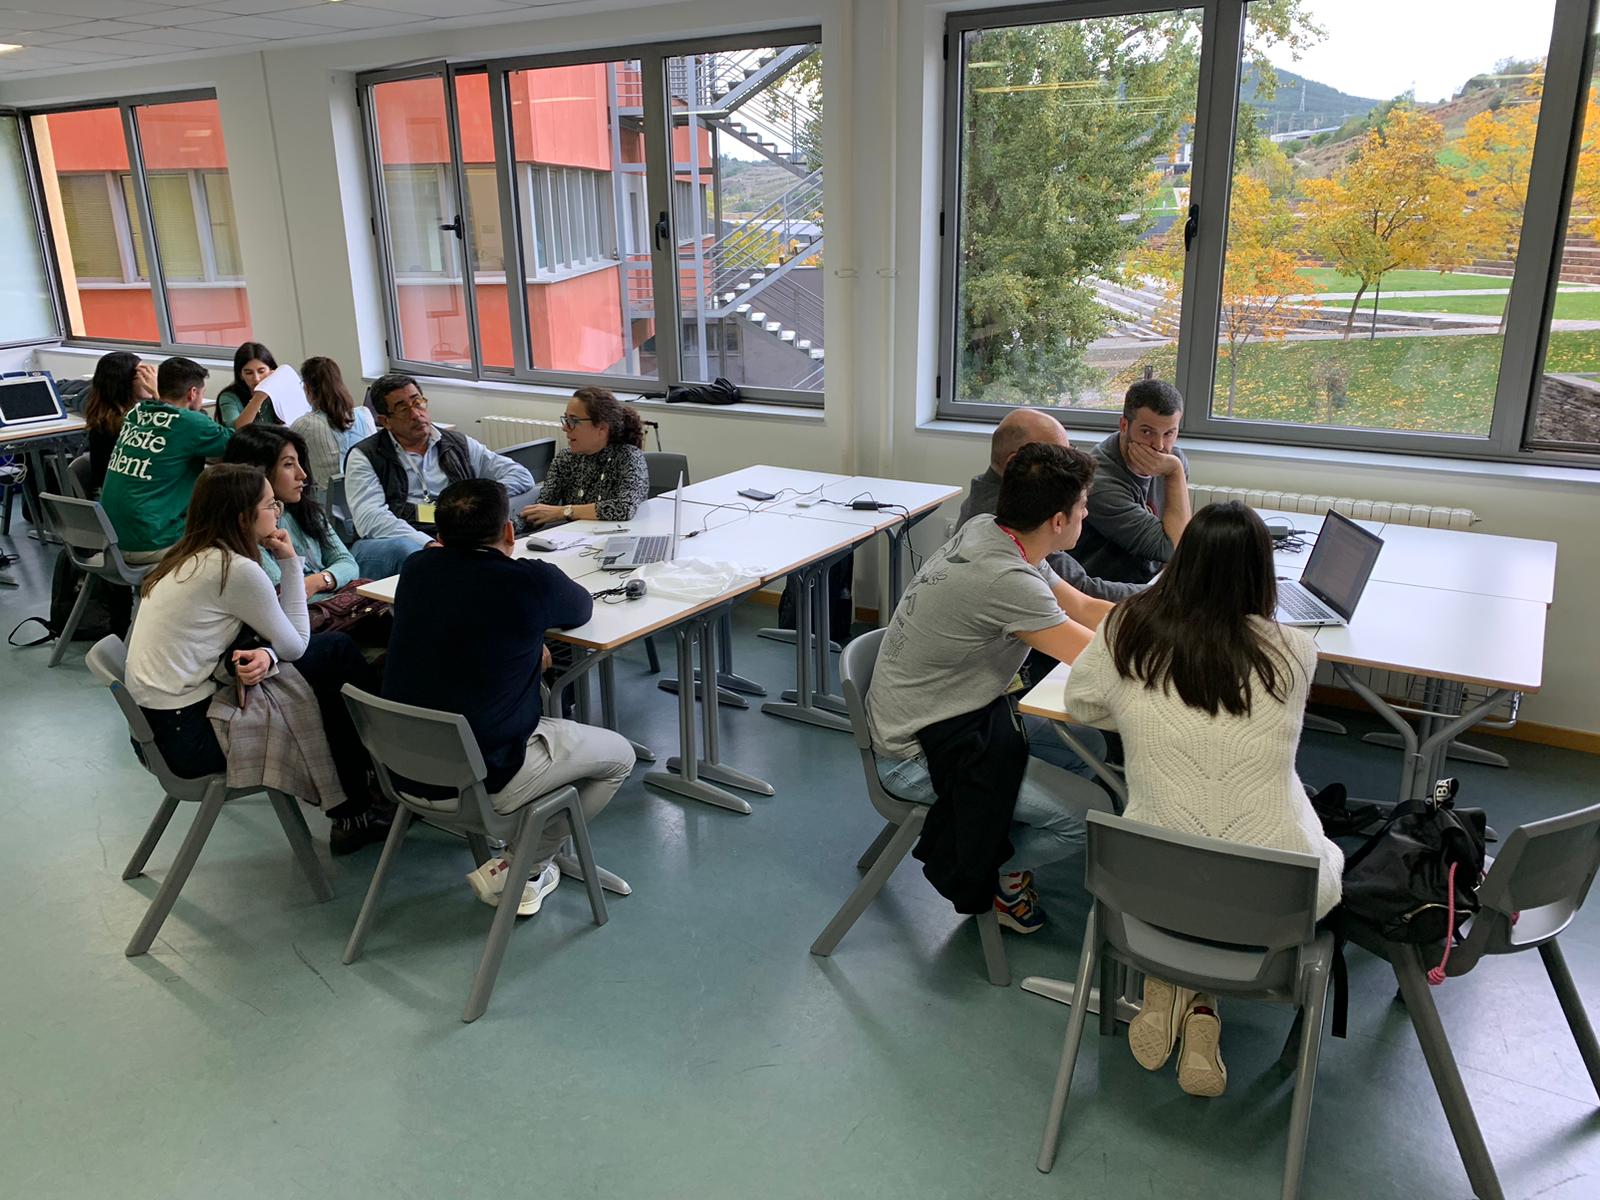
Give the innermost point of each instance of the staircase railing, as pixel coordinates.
(794, 216)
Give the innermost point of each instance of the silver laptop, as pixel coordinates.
(630, 551)
(28, 400)
(1335, 576)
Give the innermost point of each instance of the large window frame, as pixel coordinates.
(1530, 303)
(143, 212)
(30, 170)
(533, 225)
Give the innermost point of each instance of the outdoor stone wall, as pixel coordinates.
(1569, 409)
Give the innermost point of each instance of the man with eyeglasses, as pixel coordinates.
(393, 478)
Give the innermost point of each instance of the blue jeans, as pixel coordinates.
(1047, 824)
(379, 558)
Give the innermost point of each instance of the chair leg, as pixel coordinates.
(593, 877)
(64, 638)
(369, 906)
(1109, 989)
(1290, 1054)
(1407, 963)
(178, 873)
(294, 826)
(1555, 965)
(901, 840)
(152, 835)
(994, 952)
(1069, 1048)
(479, 845)
(653, 655)
(1309, 1020)
(505, 915)
(870, 854)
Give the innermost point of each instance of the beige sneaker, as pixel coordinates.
(1153, 1032)
(489, 880)
(1201, 1071)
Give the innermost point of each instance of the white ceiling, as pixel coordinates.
(61, 36)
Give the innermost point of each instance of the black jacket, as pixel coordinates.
(976, 762)
(380, 451)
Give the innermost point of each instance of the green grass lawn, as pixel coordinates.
(1570, 306)
(1403, 281)
(1438, 385)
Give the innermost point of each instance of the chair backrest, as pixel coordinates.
(90, 538)
(535, 455)
(856, 664)
(1203, 912)
(1537, 884)
(338, 509)
(664, 469)
(78, 471)
(107, 661)
(429, 747)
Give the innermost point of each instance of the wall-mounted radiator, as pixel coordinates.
(500, 432)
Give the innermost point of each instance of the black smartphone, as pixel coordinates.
(756, 494)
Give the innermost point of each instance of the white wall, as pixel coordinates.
(299, 179)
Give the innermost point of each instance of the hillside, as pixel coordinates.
(748, 187)
(1301, 103)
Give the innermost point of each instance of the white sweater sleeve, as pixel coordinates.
(278, 616)
(1090, 683)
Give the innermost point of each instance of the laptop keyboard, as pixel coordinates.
(652, 548)
(1297, 605)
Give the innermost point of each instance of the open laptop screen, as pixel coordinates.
(1340, 563)
(28, 398)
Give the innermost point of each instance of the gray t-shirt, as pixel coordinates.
(952, 646)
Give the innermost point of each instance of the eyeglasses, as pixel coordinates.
(275, 505)
(568, 421)
(415, 404)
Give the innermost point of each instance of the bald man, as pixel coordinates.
(1020, 427)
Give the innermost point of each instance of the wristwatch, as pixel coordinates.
(567, 512)
(330, 581)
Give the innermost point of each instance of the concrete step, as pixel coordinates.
(773, 326)
(816, 353)
(760, 318)
(788, 335)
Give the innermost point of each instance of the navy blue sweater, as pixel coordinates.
(468, 638)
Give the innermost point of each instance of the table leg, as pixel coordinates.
(725, 694)
(1063, 991)
(1114, 781)
(802, 707)
(725, 672)
(711, 766)
(32, 485)
(1411, 762)
(688, 783)
(608, 707)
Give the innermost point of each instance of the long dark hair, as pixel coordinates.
(222, 512)
(1192, 630)
(261, 446)
(624, 421)
(241, 356)
(110, 391)
(327, 393)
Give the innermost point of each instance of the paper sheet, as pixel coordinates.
(288, 394)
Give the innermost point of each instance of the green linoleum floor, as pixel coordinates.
(691, 1047)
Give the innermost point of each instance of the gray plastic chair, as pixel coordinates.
(337, 508)
(663, 471)
(107, 661)
(1529, 896)
(91, 543)
(439, 749)
(77, 480)
(903, 820)
(535, 455)
(1234, 920)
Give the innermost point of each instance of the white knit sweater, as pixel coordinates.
(1224, 777)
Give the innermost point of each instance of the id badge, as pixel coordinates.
(425, 512)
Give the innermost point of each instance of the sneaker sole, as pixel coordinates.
(1200, 1068)
(1153, 1033)
(527, 907)
(1007, 921)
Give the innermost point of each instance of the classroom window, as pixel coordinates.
(603, 239)
(27, 313)
(1331, 247)
(91, 163)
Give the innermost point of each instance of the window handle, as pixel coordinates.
(456, 227)
(663, 231)
(1191, 227)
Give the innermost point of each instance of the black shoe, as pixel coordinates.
(349, 834)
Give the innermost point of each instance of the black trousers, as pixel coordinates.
(186, 740)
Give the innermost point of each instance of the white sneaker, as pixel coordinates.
(489, 880)
(1201, 1071)
(1154, 1032)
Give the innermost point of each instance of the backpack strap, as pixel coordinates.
(49, 634)
(1406, 809)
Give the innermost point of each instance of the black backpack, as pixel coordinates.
(98, 619)
(1416, 879)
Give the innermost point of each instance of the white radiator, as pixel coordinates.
(1387, 511)
(500, 432)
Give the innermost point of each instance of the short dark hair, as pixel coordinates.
(1041, 481)
(1159, 396)
(472, 513)
(176, 376)
(378, 393)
